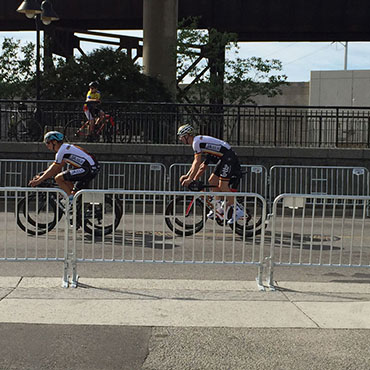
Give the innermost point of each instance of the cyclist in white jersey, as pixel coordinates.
(85, 166)
(215, 151)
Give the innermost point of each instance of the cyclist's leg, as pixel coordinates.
(91, 119)
(66, 179)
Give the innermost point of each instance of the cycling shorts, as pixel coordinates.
(81, 176)
(228, 166)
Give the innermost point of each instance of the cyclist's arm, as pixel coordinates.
(201, 170)
(189, 177)
(53, 169)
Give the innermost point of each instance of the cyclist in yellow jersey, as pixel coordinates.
(91, 107)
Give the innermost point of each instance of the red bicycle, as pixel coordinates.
(78, 130)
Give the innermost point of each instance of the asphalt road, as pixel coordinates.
(28, 346)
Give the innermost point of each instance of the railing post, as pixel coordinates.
(275, 124)
(337, 127)
(238, 139)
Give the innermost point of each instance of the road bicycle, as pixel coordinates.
(78, 130)
(22, 126)
(187, 214)
(38, 213)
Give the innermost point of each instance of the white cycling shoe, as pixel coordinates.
(236, 216)
(219, 207)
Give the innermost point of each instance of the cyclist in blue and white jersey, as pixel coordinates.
(84, 166)
(215, 151)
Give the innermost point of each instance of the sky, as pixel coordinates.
(298, 58)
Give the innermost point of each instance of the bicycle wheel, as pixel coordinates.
(37, 214)
(101, 218)
(75, 131)
(185, 215)
(28, 130)
(125, 132)
(251, 223)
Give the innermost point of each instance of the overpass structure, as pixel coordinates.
(264, 20)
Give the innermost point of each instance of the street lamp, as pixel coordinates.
(32, 9)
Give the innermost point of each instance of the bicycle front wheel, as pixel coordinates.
(251, 222)
(76, 131)
(37, 214)
(101, 218)
(185, 215)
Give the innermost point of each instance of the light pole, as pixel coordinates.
(32, 9)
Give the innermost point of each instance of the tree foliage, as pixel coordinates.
(233, 80)
(16, 68)
(118, 77)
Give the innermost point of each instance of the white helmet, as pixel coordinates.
(185, 129)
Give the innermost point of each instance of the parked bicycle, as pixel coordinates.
(187, 214)
(38, 213)
(23, 125)
(78, 130)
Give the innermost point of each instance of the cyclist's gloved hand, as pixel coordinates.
(196, 185)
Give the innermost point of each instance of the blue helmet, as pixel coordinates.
(53, 135)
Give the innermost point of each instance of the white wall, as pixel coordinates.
(340, 88)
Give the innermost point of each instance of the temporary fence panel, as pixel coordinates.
(168, 227)
(318, 180)
(319, 230)
(131, 176)
(112, 175)
(33, 226)
(17, 172)
(254, 177)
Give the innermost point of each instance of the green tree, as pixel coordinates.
(216, 78)
(16, 68)
(118, 77)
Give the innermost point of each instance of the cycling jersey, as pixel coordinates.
(86, 167)
(75, 156)
(91, 95)
(214, 148)
(220, 152)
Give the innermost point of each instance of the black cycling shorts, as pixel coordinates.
(228, 166)
(80, 176)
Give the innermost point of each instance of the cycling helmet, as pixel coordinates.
(185, 129)
(53, 135)
(93, 84)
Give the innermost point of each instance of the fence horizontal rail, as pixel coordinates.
(148, 123)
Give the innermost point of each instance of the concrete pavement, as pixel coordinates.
(185, 324)
(184, 303)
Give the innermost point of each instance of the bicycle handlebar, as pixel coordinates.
(197, 185)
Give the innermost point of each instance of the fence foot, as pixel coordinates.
(260, 285)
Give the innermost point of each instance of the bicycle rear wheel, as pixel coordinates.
(251, 223)
(101, 218)
(185, 215)
(28, 130)
(37, 214)
(76, 131)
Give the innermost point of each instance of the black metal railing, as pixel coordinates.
(156, 123)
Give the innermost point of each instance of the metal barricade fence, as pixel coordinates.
(318, 180)
(331, 231)
(131, 176)
(33, 226)
(17, 172)
(113, 175)
(254, 177)
(168, 227)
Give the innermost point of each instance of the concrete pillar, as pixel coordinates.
(160, 36)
